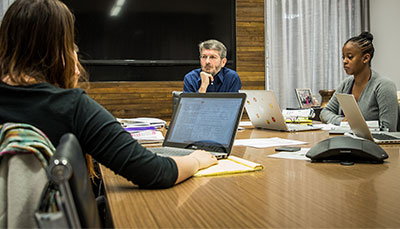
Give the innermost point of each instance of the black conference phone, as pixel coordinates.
(347, 150)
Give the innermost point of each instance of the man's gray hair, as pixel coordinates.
(214, 45)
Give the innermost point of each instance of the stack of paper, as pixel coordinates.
(344, 127)
(147, 134)
(144, 129)
(129, 122)
(298, 115)
(373, 125)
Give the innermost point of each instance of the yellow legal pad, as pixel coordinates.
(229, 166)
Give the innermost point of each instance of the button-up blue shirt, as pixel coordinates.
(226, 80)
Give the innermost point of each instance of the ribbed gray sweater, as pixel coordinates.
(378, 101)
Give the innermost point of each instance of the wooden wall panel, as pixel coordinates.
(250, 51)
(136, 99)
(154, 99)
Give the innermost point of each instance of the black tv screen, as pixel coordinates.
(149, 39)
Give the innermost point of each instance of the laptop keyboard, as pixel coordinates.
(171, 151)
(384, 137)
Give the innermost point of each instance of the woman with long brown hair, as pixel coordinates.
(39, 71)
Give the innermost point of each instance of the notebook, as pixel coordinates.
(358, 124)
(207, 121)
(264, 112)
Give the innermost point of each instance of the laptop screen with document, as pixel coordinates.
(206, 121)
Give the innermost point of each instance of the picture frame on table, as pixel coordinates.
(305, 97)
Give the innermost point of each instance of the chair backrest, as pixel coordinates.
(175, 98)
(22, 179)
(398, 119)
(24, 154)
(67, 168)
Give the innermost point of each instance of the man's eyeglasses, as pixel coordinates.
(212, 57)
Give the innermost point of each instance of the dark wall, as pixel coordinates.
(130, 99)
(150, 40)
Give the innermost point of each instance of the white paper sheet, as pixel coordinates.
(245, 123)
(266, 142)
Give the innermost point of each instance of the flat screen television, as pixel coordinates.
(149, 40)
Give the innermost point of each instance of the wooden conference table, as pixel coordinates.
(287, 193)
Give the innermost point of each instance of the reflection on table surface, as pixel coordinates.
(287, 193)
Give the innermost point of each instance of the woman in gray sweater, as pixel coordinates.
(376, 96)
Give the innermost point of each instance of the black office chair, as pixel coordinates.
(67, 170)
(398, 120)
(175, 98)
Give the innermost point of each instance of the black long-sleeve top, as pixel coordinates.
(57, 111)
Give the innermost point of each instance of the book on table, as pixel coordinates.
(144, 130)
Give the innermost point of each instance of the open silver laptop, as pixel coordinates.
(207, 121)
(264, 112)
(358, 124)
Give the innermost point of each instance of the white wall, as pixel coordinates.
(385, 26)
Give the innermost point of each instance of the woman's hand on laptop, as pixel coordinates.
(188, 165)
(204, 158)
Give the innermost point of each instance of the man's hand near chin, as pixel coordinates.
(206, 78)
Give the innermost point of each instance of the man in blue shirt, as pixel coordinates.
(212, 76)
